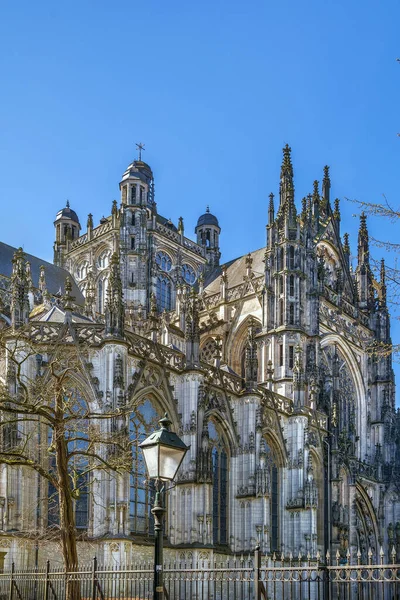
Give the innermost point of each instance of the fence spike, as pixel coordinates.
(299, 556)
(393, 554)
(348, 554)
(282, 557)
(309, 556)
(274, 557)
(318, 557)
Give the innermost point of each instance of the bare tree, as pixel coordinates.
(45, 397)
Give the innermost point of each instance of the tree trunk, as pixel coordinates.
(67, 517)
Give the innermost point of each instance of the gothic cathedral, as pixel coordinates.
(269, 367)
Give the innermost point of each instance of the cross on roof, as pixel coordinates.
(140, 147)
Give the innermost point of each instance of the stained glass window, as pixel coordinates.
(163, 261)
(164, 293)
(188, 274)
(143, 421)
(220, 486)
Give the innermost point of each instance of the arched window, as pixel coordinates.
(271, 467)
(291, 313)
(188, 274)
(219, 456)
(82, 269)
(281, 312)
(103, 259)
(291, 257)
(280, 259)
(164, 293)
(291, 285)
(76, 430)
(142, 422)
(163, 261)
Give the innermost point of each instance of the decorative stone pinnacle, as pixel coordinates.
(316, 191)
(336, 212)
(346, 245)
(287, 167)
(90, 221)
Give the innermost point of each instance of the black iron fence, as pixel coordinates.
(255, 577)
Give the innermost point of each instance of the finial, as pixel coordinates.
(346, 246)
(90, 221)
(383, 271)
(114, 209)
(287, 161)
(271, 200)
(140, 147)
(326, 174)
(181, 228)
(336, 212)
(316, 191)
(304, 208)
(207, 209)
(67, 204)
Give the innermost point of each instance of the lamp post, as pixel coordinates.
(163, 453)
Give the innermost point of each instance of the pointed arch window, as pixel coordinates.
(219, 456)
(291, 313)
(268, 478)
(164, 293)
(142, 422)
(291, 257)
(163, 261)
(291, 285)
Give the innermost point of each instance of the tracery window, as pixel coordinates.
(207, 352)
(271, 467)
(103, 259)
(188, 274)
(291, 313)
(82, 270)
(163, 261)
(142, 422)
(220, 485)
(164, 293)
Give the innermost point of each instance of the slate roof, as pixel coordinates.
(55, 276)
(235, 270)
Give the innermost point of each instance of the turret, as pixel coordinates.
(19, 290)
(207, 231)
(137, 185)
(67, 228)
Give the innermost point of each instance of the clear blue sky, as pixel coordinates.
(214, 89)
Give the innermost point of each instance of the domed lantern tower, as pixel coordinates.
(207, 231)
(67, 228)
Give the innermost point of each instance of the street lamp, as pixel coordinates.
(163, 453)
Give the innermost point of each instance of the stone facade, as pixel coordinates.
(266, 365)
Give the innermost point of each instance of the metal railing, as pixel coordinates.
(256, 577)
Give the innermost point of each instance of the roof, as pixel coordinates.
(67, 213)
(166, 222)
(207, 219)
(56, 314)
(55, 276)
(235, 270)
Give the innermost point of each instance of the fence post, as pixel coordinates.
(94, 569)
(11, 582)
(257, 567)
(46, 583)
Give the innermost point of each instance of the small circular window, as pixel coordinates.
(163, 261)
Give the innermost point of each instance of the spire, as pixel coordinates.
(42, 280)
(19, 290)
(363, 241)
(68, 300)
(271, 209)
(383, 282)
(316, 203)
(115, 309)
(90, 296)
(251, 358)
(326, 186)
(192, 330)
(346, 247)
(286, 184)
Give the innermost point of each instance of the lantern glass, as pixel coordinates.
(170, 460)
